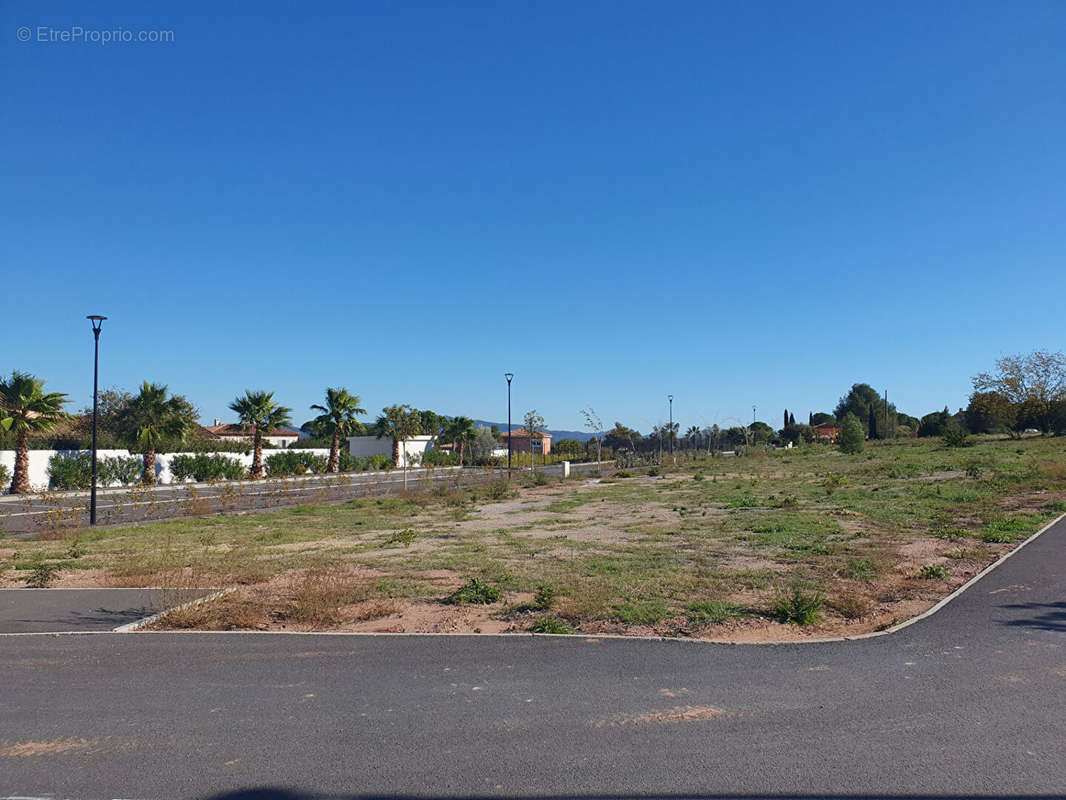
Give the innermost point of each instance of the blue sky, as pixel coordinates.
(739, 203)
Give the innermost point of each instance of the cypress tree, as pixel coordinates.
(792, 420)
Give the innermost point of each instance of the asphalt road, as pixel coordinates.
(84, 610)
(968, 702)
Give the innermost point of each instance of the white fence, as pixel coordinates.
(39, 459)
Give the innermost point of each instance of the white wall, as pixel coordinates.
(362, 446)
(39, 462)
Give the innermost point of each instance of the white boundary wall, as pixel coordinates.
(363, 446)
(39, 462)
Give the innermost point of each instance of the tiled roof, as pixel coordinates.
(236, 430)
(522, 432)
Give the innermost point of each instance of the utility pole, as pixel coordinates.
(510, 376)
(670, 397)
(97, 322)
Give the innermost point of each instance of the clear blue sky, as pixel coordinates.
(739, 203)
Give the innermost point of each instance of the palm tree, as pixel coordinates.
(259, 414)
(461, 432)
(24, 407)
(693, 436)
(150, 418)
(338, 418)
(398, 423)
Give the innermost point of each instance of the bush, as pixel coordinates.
(41, 575)
(851, 439)
(473, 592)
(5, 478)
(70, 471)
(545, 597)
(861, 569)
(623, 474)
(123, 470)
(551, 625)
(202, 467)
(439, 458)
(799, 606)
(956, 436)
(934, 572)
(294, 462)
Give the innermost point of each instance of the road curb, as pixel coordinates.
(140, 623)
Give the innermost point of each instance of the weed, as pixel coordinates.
(552, 625)
(473, 592)
(76, 548)
(698, 477)
(934, 572)
(1056, 506)
(711, 612)
(498, 490)
(861, 569)
(851, 605)
(799, 606)
(404, 537)
(41, 575)
(653, 472)
(648, 613)
(950, 533)
(623, 474)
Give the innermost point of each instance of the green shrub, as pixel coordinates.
(473, 592)
(433, 457)
(5, 478)
(623, 474)
(551, 625)
(123, 470)
(545, 597)
(1004, 531)
(698, 476)
(294, 462)
(404, 537)
(653, 472)
(799, 606)
(1055, 506)
(41, 575)
(711, 612)
(541, 479)
(955, 435)
(70, 471)
(950, 533)
(934, 572)
(202, 467)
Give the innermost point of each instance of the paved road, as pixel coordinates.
(81, 610)
(971, 701)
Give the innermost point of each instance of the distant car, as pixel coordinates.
(1031, 430)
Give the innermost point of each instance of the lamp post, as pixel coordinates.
(509, 376)
(97, 322)
(670, 397)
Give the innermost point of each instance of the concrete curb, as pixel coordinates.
(140, 623)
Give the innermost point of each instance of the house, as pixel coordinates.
(521, 441)
(279, 437)
(826, 432)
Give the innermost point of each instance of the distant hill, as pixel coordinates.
(581, 436)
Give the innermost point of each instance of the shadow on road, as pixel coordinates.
(1050, 616)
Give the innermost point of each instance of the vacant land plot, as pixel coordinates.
(776, 545)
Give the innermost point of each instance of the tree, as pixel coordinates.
(933, 424)
(337, 420)
(26, 408)
(460, 432)
(151, 418)
(431, 424)
(484, 443)
(259, 414)
(821, 418)
(990, 412)
(693, 435)
(398, 423)
(851, 438)
(622, 438)
(761, 432)
(535, 425)
(868, 406)
(594, 425)
(1035, 384)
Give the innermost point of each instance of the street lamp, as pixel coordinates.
(97, 322)
(509, 376)
(670, 397)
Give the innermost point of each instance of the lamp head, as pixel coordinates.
(96, 321)
(508, 375)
